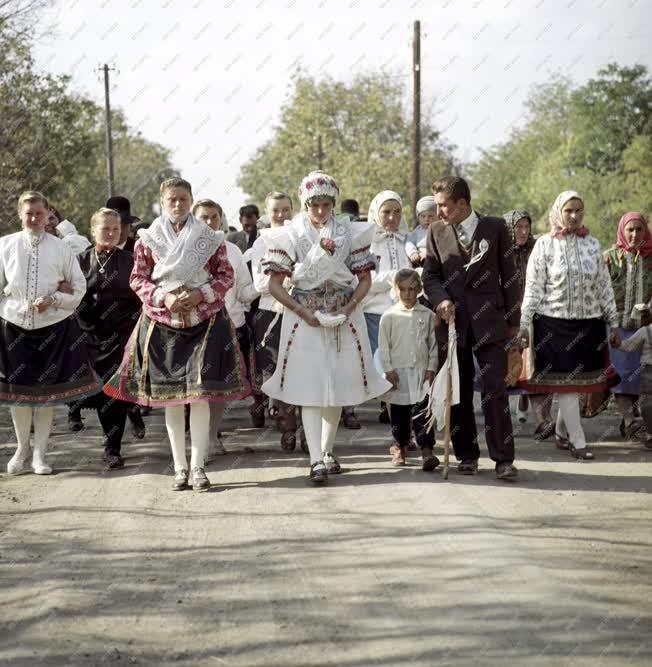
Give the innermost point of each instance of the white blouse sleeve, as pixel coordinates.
(72, 274)
(605, 293)
(535, 283)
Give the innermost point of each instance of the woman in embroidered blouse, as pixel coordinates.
(630, 267)
(43, 358)
(324, 355)
(568, 299)
(184, 349)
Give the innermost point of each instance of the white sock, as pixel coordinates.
(22, 419)
(217, 414)
(330, 420)
(175, 424)
(312, 427)
(200, 419)
(42, 428)
(569, 408)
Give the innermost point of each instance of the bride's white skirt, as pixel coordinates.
(325, 366)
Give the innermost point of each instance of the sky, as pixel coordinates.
(207, 79)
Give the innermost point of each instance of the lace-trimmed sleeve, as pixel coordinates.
(280, 256)
(361, 259)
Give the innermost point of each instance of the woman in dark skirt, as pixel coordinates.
(107, 315)
(184, 348)
(43, 358)
(567, 304)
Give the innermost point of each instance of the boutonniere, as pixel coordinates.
(328, 245)
(483, 246)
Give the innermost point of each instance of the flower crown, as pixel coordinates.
(317, 184)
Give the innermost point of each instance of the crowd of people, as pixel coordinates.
(314, 313)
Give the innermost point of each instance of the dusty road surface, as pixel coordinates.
(385, 566)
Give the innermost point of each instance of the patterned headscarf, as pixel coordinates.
(644, 249)
(317, 184)
(373, 215)
(511, 218)
(557, 228)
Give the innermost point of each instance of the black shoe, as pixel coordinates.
(75, 422)
(349, 420)
(544, 430)
(137, 424)
(332, 466)
(318, 473)
(180, 480)
(506, 471)
(383, 417)
(199, 480)
(288, 441)
(113, 460)
(468, 467)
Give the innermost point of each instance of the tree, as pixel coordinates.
(595, 138)
(365, 138)
(52, 140)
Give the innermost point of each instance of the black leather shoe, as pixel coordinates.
(113, 460)
(199, 480)
(75, 422)
(468, 467)
(180, 480)
(318, 473)
(332, 466)
(506, 471)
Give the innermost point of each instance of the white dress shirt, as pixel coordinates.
(243, 292)
(466, 229)
(32, 266)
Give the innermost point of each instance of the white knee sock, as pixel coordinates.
(569, 409)
(312, 428)
(42, 429)
(217, 414)
(22, 418)
(330, 420)
(200, 418)
(176, 425)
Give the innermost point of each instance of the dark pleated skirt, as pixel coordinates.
(163, 366)
(46, 366)
(266, 342)
(570, 356)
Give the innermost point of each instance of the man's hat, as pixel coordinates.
(123, 206)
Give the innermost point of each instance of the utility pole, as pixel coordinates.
(320, 153)
(416, 114)
(109, 137)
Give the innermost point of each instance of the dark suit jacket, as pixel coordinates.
(486, 293)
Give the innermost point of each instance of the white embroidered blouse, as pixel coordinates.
(390, 253)
(568, 279)
(32, 266)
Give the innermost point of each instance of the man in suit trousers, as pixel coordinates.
(469, 271)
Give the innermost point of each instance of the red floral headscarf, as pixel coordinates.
(644, 248)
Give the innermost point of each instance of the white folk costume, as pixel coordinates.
(43, 358)
(389, 250)
(322, 366)
(567, 304)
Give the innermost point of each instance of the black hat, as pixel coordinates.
(123, 206)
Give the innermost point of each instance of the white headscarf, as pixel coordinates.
(556, 220)
(426, 204)
(374, 216)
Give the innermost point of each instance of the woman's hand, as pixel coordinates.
(614, 339)
(524, 338)
(415, 258)
(65, 287)
(307, 316)
(190, 299)
(173, 303)
(392, 376)
(43, 303)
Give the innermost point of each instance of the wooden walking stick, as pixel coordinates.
(449, 393)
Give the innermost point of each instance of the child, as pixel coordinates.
(236, 302)
(407, 351)
(415, 245)
(643, 339)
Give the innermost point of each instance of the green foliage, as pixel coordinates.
(53, 140)
(595, 138)
(366, 142)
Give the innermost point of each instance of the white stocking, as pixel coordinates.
(569, 409)
(312, 427)
(330, 420)
(176, 425)
(22, 418)
(42, 429)
(200, 417)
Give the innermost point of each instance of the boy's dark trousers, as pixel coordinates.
(403, 419)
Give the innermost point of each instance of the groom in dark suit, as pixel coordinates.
(469, 271)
